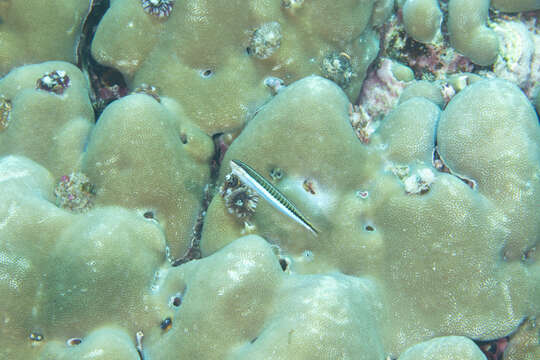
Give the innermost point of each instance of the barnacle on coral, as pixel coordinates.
(148, 90)
(240, 200)
(420, 182)
(265, 40)
(56, 82)
(275, 84)
(231, 182)
(159, 8)
(337, 67)
(5, 109)
(74, 192)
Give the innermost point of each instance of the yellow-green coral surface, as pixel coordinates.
(428, 228)
(198, 54)
(33, 31)
(449, 258)
(48, 128)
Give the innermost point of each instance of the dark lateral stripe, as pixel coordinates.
(275, 193)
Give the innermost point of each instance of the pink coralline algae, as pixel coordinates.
(437, 61)
(380, 94)
(433, 61)
(519, 54)
(74, 192)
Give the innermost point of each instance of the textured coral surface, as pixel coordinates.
(213, 56)
(401, 134)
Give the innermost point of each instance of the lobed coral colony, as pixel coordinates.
(406, 131)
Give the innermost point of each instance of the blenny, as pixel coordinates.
(270, 193)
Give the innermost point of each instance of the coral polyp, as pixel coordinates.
(159, 8)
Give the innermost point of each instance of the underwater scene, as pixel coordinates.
(269, 179)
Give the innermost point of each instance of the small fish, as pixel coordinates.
(267, 191)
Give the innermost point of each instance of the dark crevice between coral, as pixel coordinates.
(493, 349)
(220, 148)
(194, 251)
(106, 84)
(443, 5)
(411, 49)
(440, 166)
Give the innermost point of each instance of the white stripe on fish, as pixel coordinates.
(270, 193)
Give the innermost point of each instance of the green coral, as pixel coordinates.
(288, 40)
(48, 128)
(422, 19)
(515, 5)
(436, 194)
(468, 31)
(444, 348)
(33, 31)
(147, 156)
(388, 235)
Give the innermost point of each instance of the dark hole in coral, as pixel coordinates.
(177, 301)
(74, 341)
(253, 340)
(149, 214)
(283, 263)
(207, 73)
(166, 324)
(369, 228)
(183, 138)
(248, 50)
